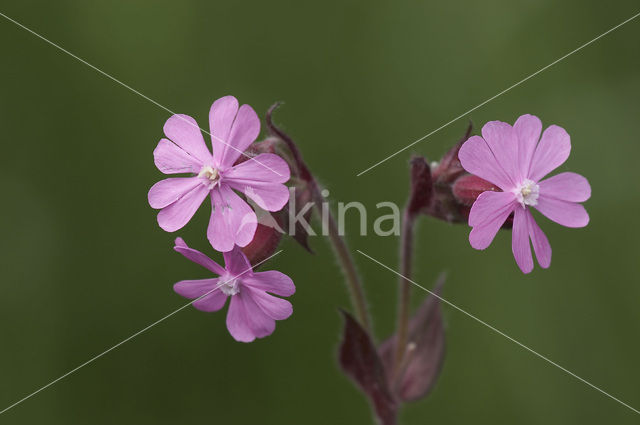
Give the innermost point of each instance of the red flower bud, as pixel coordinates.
(264, 243)
(453, 189)
(468, 187)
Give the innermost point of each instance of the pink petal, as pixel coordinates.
(488, 214)
(184, 132)
(552, 151)
(520, 240)
(237, 263)
(271, 281)
(212, 302)
(274, 307)
(568, 214)
(171, 159)
(476, 157)
(198, 257)
(566, 187)
(176, 215)
(540, 242)
(489, 205)
(236, 321)
(245, 320)
(260, 323)
(245, 130)
(233, 129)
(195, 288)
(482, 235)
(260, 179)
(503, 142)
(221, 116)
(232, 221)
(168, 191)
(528, 129)
(268, 196)
(264, 168)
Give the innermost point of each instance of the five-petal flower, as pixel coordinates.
(515, 158)
(261, 178)
(252, 310)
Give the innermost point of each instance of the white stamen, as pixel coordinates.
(230, 287)
(527, 193)
(210, 175)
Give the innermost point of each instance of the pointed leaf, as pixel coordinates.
(425, 354)
(360, 361)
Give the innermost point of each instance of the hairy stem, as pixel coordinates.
(337, 241)
(346, 262)
(404, 294)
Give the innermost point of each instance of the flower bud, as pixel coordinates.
(269, 231)
(468, 187)
(263, 245)
(453, 189)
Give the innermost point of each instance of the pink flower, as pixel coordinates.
(252, 310)
(261, 178)
(513, 159)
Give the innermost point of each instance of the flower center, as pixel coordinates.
(230, 286)
(527, 193)
(210, 175)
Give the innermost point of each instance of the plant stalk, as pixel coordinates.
(337, 241)
(404, 294)
(346, 261)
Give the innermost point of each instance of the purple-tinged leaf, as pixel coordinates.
(425, 351)
(360, 361)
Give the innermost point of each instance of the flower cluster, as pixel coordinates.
(491, 181)
(218, 174)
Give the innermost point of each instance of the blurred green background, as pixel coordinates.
(83, 263)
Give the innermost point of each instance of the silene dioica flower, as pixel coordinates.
(252, 310)
(516, 159)
(218, 174)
